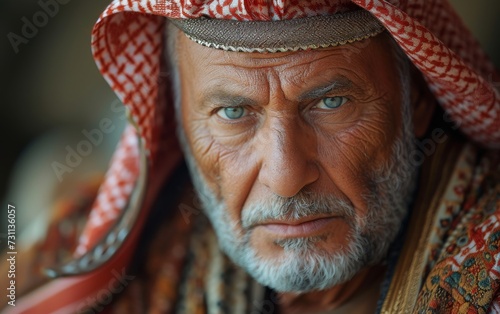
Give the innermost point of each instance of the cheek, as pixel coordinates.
(351, 156)
(203, 149)
(238, 174)
(229, 172)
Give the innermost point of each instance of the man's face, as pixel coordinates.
(299, 157)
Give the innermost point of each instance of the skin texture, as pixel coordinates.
(287, 140)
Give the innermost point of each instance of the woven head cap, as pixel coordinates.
(283, 35)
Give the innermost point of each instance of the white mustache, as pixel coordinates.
(299, 206)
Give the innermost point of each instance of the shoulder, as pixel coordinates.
(467, 273)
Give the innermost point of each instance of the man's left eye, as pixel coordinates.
(331, 102)
(232, 113)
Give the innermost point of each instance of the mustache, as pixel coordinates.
(304, 204)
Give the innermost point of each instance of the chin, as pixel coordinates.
(303, 264)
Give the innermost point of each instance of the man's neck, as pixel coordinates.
(359, 295)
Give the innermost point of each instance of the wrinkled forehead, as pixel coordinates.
(357, 57)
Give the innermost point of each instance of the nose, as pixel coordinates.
(288, 151)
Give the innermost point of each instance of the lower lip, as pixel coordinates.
(305, 229)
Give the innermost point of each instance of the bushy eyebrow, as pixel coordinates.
(227, 99)
(337, 86)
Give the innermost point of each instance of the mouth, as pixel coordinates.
(300, 228)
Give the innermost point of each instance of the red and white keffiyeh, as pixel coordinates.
(128, 40)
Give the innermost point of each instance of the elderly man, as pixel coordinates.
(329, 178)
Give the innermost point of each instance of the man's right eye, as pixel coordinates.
(232, 113)
(332, 102)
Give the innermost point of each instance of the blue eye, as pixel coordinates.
(231, 113)
(332, 102)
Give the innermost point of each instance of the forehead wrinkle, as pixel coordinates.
(283, 60)
(276, 86)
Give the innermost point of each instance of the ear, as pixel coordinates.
(423, 102)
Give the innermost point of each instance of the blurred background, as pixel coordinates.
(51, 91)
